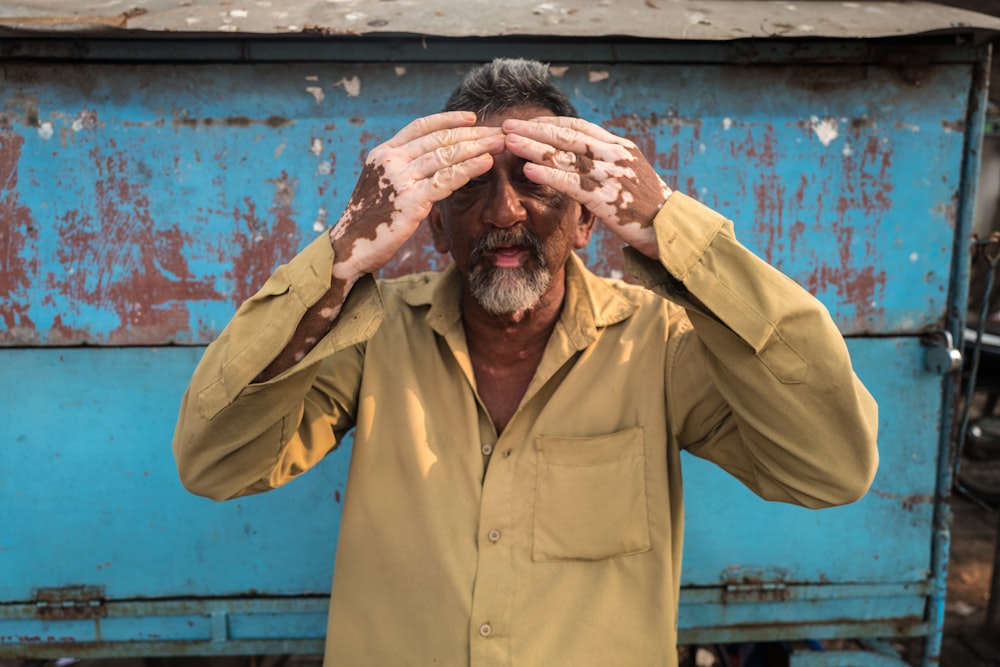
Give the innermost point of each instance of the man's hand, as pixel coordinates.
(605, 173)
(428, 160)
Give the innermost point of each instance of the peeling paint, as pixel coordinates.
(316, 92)
(263, 240)
(121, 260)
(825, 129)
(596, 76)
(18, 237)
(352, 86)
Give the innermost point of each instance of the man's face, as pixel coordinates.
(509, 237)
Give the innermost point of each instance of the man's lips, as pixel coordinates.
(507, 256)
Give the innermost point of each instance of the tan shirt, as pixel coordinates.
(557, 542)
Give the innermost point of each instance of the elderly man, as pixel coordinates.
(514, 494)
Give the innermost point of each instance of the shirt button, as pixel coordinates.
(494, 535)
(487, 450)
(485, 630)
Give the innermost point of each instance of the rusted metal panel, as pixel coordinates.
(144, 203)
(90, 498)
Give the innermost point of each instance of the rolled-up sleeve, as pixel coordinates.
(234, 437)
(759, 380)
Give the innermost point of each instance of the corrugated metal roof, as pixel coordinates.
(661, 19)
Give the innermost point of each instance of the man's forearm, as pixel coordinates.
(315, 324)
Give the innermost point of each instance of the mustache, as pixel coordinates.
(497, 238)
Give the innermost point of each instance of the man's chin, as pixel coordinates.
(508, 291)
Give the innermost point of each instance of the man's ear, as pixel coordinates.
(584, 229)
(441, 243)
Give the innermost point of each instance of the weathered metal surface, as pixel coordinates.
(664, 19)
(90, 498)
(70, 602)
(143, 203)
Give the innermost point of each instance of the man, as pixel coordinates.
(514, 495)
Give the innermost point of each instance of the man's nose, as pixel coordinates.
(506, 208)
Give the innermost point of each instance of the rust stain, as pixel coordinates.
(909, 503)
(19, 108)
(768, 192)
(867, 188)
(123, 262)
(263, 243)
(228, 121)
(18, 235)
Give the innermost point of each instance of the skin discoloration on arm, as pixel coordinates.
(606, 173)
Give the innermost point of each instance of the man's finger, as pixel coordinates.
(584, 127)
(427, 164)
(569, 139)
(445, 137)
(443, 183)
(428, 124)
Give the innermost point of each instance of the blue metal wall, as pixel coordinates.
(140, 203)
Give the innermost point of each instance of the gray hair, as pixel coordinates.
(506, 83)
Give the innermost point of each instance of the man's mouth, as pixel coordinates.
(508, 256)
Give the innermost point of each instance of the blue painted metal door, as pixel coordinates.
(140, 203)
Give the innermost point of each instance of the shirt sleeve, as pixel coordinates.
(759, 380)
(234, 437)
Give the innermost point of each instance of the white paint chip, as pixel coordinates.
(727, 123)
(45, 131)
(316, 92)
(826, 129)
(312, 77)
(558, 71)
(320, 222)
(914, 257)
(316, 147)
(227, 28)
(352, 85)
(847, 152)
(596, 76)
(279, 150)
(325, 168)
(239, 13)
(192, 20)
(400, 71)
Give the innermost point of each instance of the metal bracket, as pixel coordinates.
(70, 602)
(942, 356)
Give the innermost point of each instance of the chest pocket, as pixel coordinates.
(590, 497)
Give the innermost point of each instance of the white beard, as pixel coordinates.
(502, 291)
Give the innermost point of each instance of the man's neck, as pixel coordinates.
(491, 334)
(505, 350)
